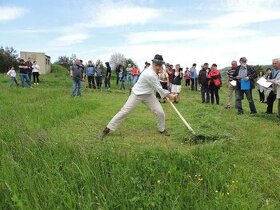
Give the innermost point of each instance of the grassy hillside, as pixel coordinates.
(51, 159)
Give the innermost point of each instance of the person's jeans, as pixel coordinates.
(249, 96)
(205, 94)
(76, 87)
(129, 79)
(194, 84)
(13, 80)
(24, 77)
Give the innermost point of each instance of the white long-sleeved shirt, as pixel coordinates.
(12, 73)
(148, 82)
(35, 68)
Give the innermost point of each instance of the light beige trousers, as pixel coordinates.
(230, 92)
(133, 100)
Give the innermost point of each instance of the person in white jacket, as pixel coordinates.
(13, 76)
(35, 72)
(143, 92)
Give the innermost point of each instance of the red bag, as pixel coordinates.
(217, 82)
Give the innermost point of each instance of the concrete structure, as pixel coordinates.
(44, 61)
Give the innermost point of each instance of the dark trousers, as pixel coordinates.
(214, 92)
(99, 82)
(35, 77)
(91, 83)
(270, 100)
(107, 82)
(205, 93)
(249, 96)
(187, 82)
(117, 78)
(193, 83)
(261, 94)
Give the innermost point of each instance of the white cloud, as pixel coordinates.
(198, 34)
(11, 13)
(244, 18)
(71, 39)
(114, 14)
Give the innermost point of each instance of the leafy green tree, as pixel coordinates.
(8, 58)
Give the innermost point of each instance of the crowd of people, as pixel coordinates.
(26, 71)
(160, 81)
(240, 80)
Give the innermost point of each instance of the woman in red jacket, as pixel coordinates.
(214, 83)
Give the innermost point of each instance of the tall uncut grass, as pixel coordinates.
(51, 158)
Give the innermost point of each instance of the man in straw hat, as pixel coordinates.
(143, 91)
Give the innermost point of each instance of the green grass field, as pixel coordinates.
(51, 159)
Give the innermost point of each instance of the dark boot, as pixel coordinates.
(165, 133)
(104, 133)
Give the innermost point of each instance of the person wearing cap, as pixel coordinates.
(143, 91)
(244, 76)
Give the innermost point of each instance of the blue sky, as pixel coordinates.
(184, 32)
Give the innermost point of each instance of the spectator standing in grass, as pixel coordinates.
(135, 74)
(203, 82)
(118, 70)
(129, 74)
(187, 77)
(143, 91)
(23, 73)
(13, 76)
(176, 83)
(214, 82)
(244, 76)
(76, 73)
(194, 77)
(29, 65)
(108, 76)
(164, 81)
(274, 78)
(260, 88)
(231, 88)
(122, 79)
(90, 71)
(98, 76)
(35, 72)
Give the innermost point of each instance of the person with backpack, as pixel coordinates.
(214, 82)
(76, 73)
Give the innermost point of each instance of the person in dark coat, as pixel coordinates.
(244, 76)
